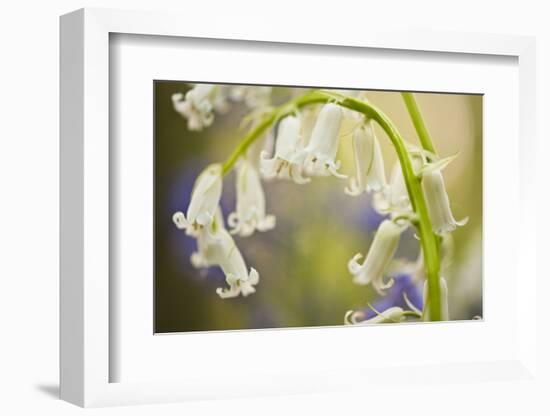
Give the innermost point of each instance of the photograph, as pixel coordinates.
(306, 206)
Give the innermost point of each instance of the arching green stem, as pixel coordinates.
(424, 228)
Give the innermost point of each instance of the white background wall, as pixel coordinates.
(29, 197)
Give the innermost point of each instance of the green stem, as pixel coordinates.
(418, 122)
(427, 144)
(428, 239)
(246, 142)
(412, 313)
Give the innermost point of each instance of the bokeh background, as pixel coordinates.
(302, 263)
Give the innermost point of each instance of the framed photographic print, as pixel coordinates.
(302, 189)
(315, 206)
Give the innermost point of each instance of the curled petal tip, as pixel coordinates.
(333, 170)
(179, 220)
(463, 222)
(254, 276)
(268, 223)
(353, 265)
(353, 189)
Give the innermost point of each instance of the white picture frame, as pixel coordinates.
(86, 356)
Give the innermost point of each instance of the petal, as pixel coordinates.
(254, 276)
(380, 203)
(268, 167)
(333, 167)
(439, 207)
(353, 189)
(462, 222)
(295, 173)
(266, 223)
(204, 218)
(324, 137)
(180, 220)
(381, 287)
(198, 260)
(225, 293)
(353, 317)
(288, 137)
(233, 220)
(390, 315)
(247, 289)
(354, 266)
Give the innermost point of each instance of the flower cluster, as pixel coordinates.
(291, 160)
(301, 153)
(393, 199)
(215, 245)
(198, 105)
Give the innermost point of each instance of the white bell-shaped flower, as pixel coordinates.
(220, 99)
(369, 163)
(250, 214)
(205, 199)
(319, 156)
(438, 203)
(395, 197)
(394, 314)
(225, 253)
(287, 149)
(197, 106)
(253, 96)
(444, 298)
(206, 239)
(379, 257)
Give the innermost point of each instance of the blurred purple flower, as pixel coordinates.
(371, 219)
(403, 285)
(361, 213)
